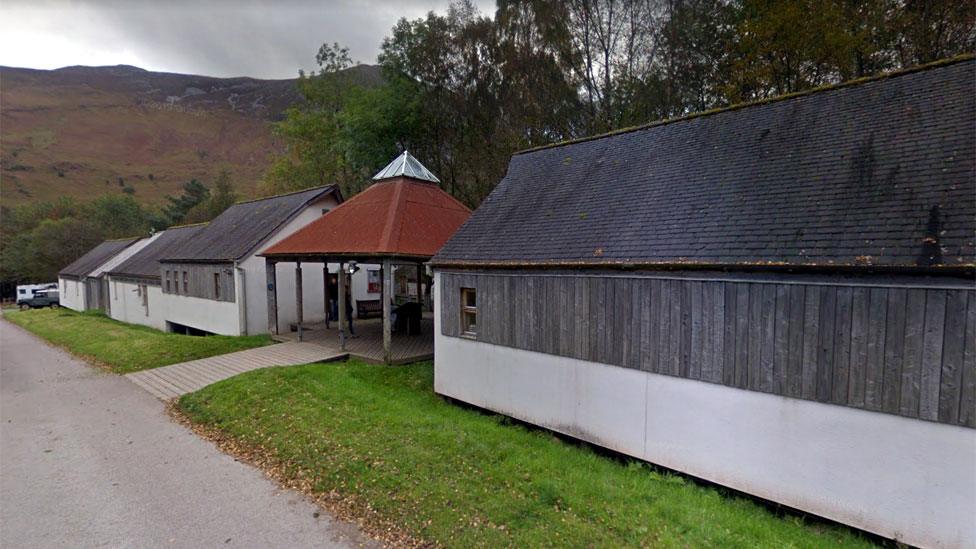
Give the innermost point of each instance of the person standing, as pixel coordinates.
(333, 297)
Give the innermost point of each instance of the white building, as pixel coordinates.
(215, 283)
(134, 285)
(80, 291)
(777, 298)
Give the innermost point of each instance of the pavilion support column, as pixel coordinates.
(387, 296)
(342, 306)
(271, 276)
(420, 291)
(325, 282)
(299, 307)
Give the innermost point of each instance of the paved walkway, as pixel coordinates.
(368, 343)
(91, 460)
(186, 377)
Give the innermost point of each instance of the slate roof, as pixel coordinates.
(879, 172)
(145, 264)
(396, 217)
(406, 165)
(95, 258)
(124, 255)
(236, 232)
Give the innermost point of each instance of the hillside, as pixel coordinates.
(88, 131)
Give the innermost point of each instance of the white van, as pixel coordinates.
(26, 291)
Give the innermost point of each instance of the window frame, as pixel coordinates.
(216, 286)
(169, 289)
(468, 313)
(186, 283)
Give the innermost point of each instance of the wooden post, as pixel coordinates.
(342, 306)
(387, 296)
(325, 282)
(420, 291)
(420, 296)
(271, 277)
(299, 306)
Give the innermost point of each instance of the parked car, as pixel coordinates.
(44, 298)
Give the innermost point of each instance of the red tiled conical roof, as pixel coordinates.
(394, 217)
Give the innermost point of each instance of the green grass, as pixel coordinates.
(124, 347)
(461, 478)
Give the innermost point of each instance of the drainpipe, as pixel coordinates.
(241, 296)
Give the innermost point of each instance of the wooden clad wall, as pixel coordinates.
(93, 294)
(201, 280)
(890, 348)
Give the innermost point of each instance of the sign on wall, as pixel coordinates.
(373, 281)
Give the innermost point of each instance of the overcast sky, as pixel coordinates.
(263, 39)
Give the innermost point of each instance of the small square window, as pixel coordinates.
(469, 312)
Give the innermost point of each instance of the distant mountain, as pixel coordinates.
(87, 131)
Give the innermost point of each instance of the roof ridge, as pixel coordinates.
(289, 193)
(391, 216)
(185, 225)
(738, 106)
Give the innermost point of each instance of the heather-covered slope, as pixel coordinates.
(87, 131)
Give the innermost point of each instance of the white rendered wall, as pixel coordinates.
(313, 285)
(313, 292)
(218, 317)
(126, 304)
(251, 317)
(359, 285)
(902, 478)
(72, 293)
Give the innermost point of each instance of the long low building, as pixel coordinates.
(776, 297)
(78, 291)
(208, 278)
(134, 285)
(215, 283)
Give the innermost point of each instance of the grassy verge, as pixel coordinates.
(123, 347)
(380, 439)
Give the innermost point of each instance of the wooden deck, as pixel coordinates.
(368, 343)
(178, 379)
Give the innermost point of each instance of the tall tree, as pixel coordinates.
(463, 90)
(194, 193)
(222, 197)
(312, 129)
(927, 30)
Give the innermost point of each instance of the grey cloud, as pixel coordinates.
(224, 38)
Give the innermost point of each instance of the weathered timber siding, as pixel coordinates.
(92, 292)
(894, 348)
(200, 277)
(96, 294)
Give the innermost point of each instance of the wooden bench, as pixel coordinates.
(368, 308)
